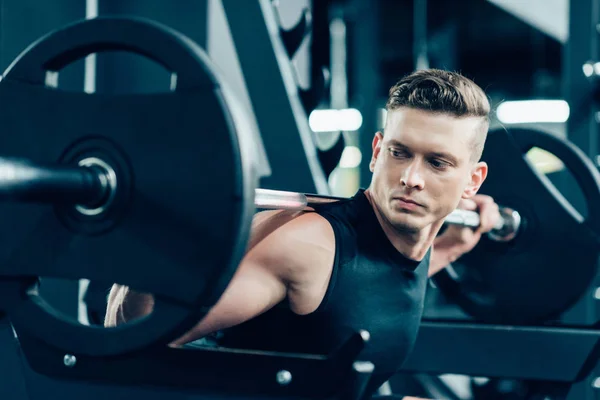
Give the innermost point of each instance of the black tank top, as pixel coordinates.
(373, 287)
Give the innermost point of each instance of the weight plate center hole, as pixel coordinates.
(108, 180)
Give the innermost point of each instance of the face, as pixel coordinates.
(422, 166)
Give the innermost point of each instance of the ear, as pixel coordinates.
(478, 174)
(376, 145)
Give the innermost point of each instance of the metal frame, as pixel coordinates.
(366, 81)
(274, 94)
(583, 129)
(206, 371)
(558, 354)
(583, 126)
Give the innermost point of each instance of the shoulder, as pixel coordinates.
(290, 230)
(292, 244)
(347, 212)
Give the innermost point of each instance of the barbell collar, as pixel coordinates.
(511, 223)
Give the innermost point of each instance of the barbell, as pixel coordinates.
(92, 185)
(505, 229)
(157, 192)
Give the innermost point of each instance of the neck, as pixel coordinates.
(411, 244)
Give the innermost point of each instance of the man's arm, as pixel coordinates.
(286, 263)
(458, 240)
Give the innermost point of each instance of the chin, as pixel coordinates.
(407, 222)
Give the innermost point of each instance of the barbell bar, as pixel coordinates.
(505, 229)
(92, 183)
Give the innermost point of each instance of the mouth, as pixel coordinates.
(407, 201)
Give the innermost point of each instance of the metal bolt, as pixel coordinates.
(69, 360)
(366, 335)
(596, 383)
(588, 69)
(284, 377)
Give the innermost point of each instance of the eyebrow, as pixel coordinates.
(439, 154)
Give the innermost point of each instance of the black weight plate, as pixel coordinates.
(179, 223)
(553, 259)
(167, 47)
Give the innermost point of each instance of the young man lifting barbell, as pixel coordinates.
(311, 278)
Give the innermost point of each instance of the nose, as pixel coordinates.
(412, 177)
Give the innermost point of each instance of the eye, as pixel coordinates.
(396, 153)
(438, 164)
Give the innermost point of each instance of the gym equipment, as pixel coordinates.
(281, 108)
(552, 260)
(160, 239)
(205, 372)
(100, 195)
(569, 354)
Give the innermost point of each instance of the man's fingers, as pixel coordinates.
(462, 234)
(481, 199)
(487, 209)
(489, 214)
(476, 202)
(467, 204)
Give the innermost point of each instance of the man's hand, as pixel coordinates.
(458, 240)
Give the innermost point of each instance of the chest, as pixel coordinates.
(383, 299)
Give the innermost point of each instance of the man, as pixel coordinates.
(309, 279)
